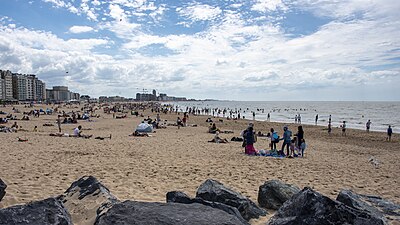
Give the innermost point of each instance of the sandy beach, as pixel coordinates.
(146, 168)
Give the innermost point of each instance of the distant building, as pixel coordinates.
(40, 90)
(61, 94)
(2, 89)
(19, 84)
(7, 88)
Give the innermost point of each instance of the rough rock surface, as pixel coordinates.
(180, 197)
(311, 208)
(3, 187)
(214, 191)
(375, 205)
(132, 212)
(86, 199)
(272, 194)
(46, 212)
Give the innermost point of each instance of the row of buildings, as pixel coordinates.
(27, 87)
(153, 97)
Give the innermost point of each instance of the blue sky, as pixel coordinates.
(226, 49)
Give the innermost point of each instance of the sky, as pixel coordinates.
(252, 50)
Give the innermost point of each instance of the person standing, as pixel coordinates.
(389, 133)
(59, 123)
(286, 140)
(268, 117)
(368, 125)
(329, 128)
(316, 119)
(299, 118)
(254, 115)
(344, 128)
(330, 118)
(250, 140)
(299, 135)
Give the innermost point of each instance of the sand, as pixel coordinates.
(146, 168)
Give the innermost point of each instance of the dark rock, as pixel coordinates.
(374, 205)
(272, 194)
(46, 212)
(86, 199)
(131, 212)
(180, 197)
(3, 187)
(214, 191)
(311, 208)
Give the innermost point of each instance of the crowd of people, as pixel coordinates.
(294, 144)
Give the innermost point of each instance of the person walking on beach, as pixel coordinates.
(287, 134)
(59, 123)
(368, 125)
(344, 128)
(268, 117)
(316, 119)
(389, 133)
(254, 115)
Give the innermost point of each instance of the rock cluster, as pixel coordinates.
(87, 201)
(3, 187)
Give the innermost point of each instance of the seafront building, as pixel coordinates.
(6, 85)
(61, 94)
(27, 87)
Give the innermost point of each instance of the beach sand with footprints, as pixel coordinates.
(172, 159)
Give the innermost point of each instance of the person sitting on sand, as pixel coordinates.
(179, 122)
(138, 134)
(78, 133)
(15, 125)
(213, 129)
(217, 139)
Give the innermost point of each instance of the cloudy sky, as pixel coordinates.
(221, 49)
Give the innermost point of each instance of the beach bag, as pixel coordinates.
(275, 136)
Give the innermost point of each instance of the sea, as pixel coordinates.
(355, 113)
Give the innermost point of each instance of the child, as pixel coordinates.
(303, 146)
(292, 146)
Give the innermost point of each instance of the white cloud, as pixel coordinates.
(268, 5)
(80, 29)
(199, 12)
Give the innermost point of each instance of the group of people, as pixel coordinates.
(294, 146)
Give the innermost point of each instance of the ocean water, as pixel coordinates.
(356, 114)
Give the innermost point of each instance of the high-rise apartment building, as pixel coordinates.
(6, 76)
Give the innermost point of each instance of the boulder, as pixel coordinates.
(374, 205)
(272, 194)
(46, 212)
(3, 187)
(311, 208)
(180, 197)
(214, 191)
(86, 199)
(132, 212)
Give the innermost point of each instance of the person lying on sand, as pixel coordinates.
(217, 139)
(138, 134)
(102, 138)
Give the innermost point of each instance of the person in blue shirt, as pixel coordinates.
(389, 133)
(287, 134)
